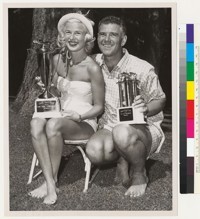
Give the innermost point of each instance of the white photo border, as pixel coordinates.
(175, 133)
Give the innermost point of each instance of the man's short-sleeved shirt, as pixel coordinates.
(149, 86)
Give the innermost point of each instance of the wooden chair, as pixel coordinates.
(79, 144)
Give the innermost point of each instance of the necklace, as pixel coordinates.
(71, 63)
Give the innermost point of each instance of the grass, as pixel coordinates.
(103, 195)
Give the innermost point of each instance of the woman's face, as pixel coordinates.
(74, 33)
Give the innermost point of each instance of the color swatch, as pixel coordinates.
(190, 97)
(189, 108)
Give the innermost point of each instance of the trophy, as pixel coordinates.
(47, 105)
(128, 90)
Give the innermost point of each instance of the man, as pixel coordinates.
(132, 143)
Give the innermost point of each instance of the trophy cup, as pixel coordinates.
(46, 105)
(128, 90)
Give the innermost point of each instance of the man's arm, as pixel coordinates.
(152, 108)
(155, 106)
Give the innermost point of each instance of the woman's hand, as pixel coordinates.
(70, 114)
(140, 104)
(40, 83)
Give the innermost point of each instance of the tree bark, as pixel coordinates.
(44, 28)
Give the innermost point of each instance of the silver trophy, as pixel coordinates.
(128, 90)
(46, 105)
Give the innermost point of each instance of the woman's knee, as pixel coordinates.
(37, 127)
(53, 127)
(124, 136)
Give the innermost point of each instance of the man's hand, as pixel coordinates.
(140, 104)
(70, 114)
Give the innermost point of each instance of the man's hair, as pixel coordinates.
(113, 20)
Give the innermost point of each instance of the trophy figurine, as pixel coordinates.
(128, 90)
(46, 105)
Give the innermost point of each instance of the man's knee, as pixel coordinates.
(37, 127)
(94, 151)
(101, 152)
(124, 136)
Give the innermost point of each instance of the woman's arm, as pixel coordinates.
(55, 69)
(98, 91)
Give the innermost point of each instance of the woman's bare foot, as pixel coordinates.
(139, 184)
(39, 192)
(51, 196)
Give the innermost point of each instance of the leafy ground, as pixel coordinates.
(102, 195)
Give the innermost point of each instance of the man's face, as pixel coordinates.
(111, 39)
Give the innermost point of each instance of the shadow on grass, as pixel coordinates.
(72, 170)
(157, 169)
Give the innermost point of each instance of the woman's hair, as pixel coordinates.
(89, 39)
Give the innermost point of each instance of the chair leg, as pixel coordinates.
(87, 177)
(87, 168)
(37, 174)
(37, 163)
(34, 160)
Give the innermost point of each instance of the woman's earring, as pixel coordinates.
(69, 58)
(68, 55)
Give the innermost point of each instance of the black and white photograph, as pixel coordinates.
(91, 109)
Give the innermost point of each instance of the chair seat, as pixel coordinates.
(76, 142)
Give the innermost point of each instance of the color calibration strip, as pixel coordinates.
(182, 128)
(189, 108)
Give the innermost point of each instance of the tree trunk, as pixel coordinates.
(45, 29)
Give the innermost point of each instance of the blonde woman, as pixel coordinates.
(80, 82)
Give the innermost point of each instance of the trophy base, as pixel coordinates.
(47, 108)
(129, 115)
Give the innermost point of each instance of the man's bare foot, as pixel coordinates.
(139, 184)
(39, 192)
(51, 196)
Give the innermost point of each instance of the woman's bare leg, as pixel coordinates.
(40, 145)
(59, 129)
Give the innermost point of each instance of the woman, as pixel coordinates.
(80, 81)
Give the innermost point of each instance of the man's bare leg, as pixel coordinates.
(100, 149)
(138, 185)
(134, 143)
(122, 172)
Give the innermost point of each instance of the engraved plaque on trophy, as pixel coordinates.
(46, 105)
(128, 90)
